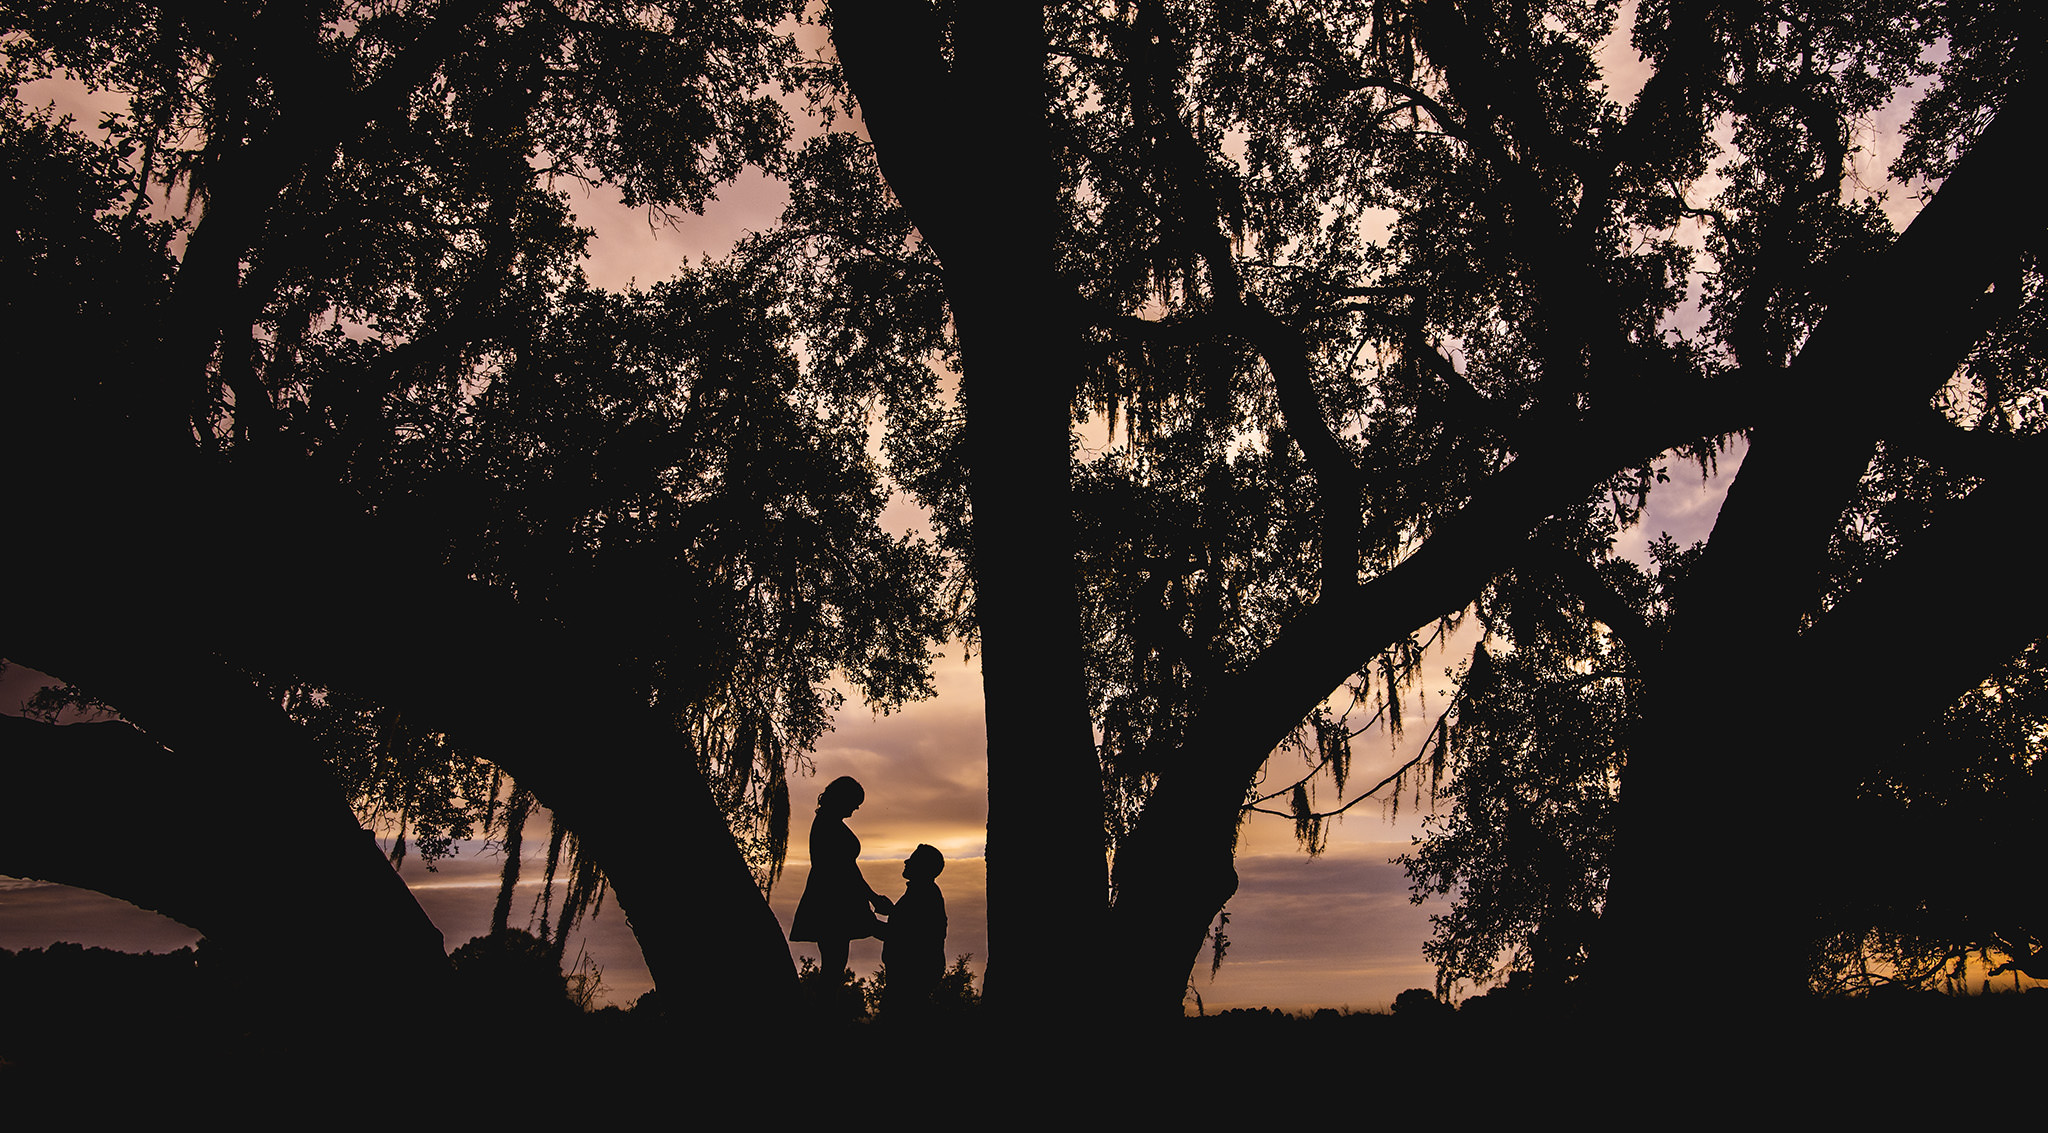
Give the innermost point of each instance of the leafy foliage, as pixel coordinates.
(1525, 846)
(1311, 335)
(514, 979)
(378, 296)
(854, 999)
(1537, 754)
(1363, 292)
(1971, 784)
(1368, 292)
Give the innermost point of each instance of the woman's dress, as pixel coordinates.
(835, 904)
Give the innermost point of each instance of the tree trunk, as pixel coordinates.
(1174, 872)
(966, 149)
(1710, 890)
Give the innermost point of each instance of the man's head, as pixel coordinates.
(924, 863)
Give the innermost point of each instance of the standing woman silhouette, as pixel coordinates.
(834, 910)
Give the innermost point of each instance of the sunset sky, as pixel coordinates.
(1337, 930)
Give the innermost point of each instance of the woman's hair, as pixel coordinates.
(846, 788)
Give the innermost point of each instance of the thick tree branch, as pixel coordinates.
(960, 141)
(333, 906)
(1879, 354)
(891, 51)
(1971, 452)
(1602, 601)
(1282, 345)
(1913, 607)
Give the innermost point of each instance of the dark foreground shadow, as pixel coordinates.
(166, 1034)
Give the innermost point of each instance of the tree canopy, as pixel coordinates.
(1379, 304)
(1281, 333)
(343, 429)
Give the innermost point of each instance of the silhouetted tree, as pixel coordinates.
(355, 461)
(1420, 1003)
(1373, 305)
(1877, 478)
(1536, 745)
(1387, 300)
(1971, 783)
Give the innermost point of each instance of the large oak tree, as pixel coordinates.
(1390, 301)
(334, 419)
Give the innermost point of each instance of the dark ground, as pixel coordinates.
(84, 1030)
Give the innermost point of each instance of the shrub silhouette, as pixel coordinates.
(857, 1000)
(510, 975)
(848, 1000)
(1420, 1003)
(952, 998)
